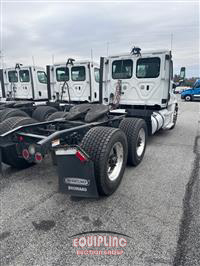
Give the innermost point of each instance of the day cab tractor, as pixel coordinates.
(73, 82)
(23, 83)
(65, 85)
(94, 141)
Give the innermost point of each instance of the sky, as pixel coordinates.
(46, 31)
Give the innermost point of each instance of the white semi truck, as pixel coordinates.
(73, 81)
(23, 83)
(141, 84)
(93, 142)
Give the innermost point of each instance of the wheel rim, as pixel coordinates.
(141, 142)
(115, 161)
(187, 98)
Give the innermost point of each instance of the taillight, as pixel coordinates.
(20, 138)
(38, 157)
(25, 154)
(81, 156)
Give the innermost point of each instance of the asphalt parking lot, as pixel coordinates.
(156, 206)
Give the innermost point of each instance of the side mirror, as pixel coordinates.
(182, 73)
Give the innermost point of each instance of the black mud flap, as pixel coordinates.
(76, 172)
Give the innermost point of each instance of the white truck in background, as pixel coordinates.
(23, 83)
(73, 82)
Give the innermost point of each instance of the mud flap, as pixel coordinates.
(76, 173)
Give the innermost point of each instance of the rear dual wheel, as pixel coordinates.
(135, 130)
(107, 148)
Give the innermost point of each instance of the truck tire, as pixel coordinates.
(11, 112)
(135, 130)
(9, 154)
(188, 98)
(57, 115)
(41, 113)
(107, 148)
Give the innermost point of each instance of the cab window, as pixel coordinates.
(62, 74)
(24, 76)
(122, 69)
(78, 73)
(12, 76)
(42, 78)
(148, 67)
(96, 74)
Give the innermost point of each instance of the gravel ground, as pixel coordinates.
(156, 206)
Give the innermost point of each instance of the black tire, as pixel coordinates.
(9, 154)
(41, 113)
(188, 98)
(98, 143)
(57, 115)
(11, 112)
(175, 116)
(131, 127)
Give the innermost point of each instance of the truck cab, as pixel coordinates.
(24, 83)
(145, 79)
(192, 93)
(74, 81)
(141, 84)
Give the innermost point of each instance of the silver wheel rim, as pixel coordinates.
(115, 161)
(140, 142)
(187, 98)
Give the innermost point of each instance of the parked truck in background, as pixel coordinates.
(73, 81)
(23, 83)
(192, 93)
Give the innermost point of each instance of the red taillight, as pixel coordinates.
(20, 138)
(38, 157)
(81, 156)
(25, 154)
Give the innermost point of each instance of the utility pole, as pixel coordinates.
(107, 48)
(171, 41)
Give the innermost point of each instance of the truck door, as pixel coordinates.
(11, 83)
(58, 77)
(196, 91)
(118, 76)
(40, 84)
(25, 84)
(80, 84)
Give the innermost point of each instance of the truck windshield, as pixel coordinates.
(62, 74)
(12, 76)
(122, 69)
(24, 76)
(78, 73)
(197, 84)
(148, 67)
(42, 78)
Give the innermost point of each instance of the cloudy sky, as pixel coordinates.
(62, 29)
